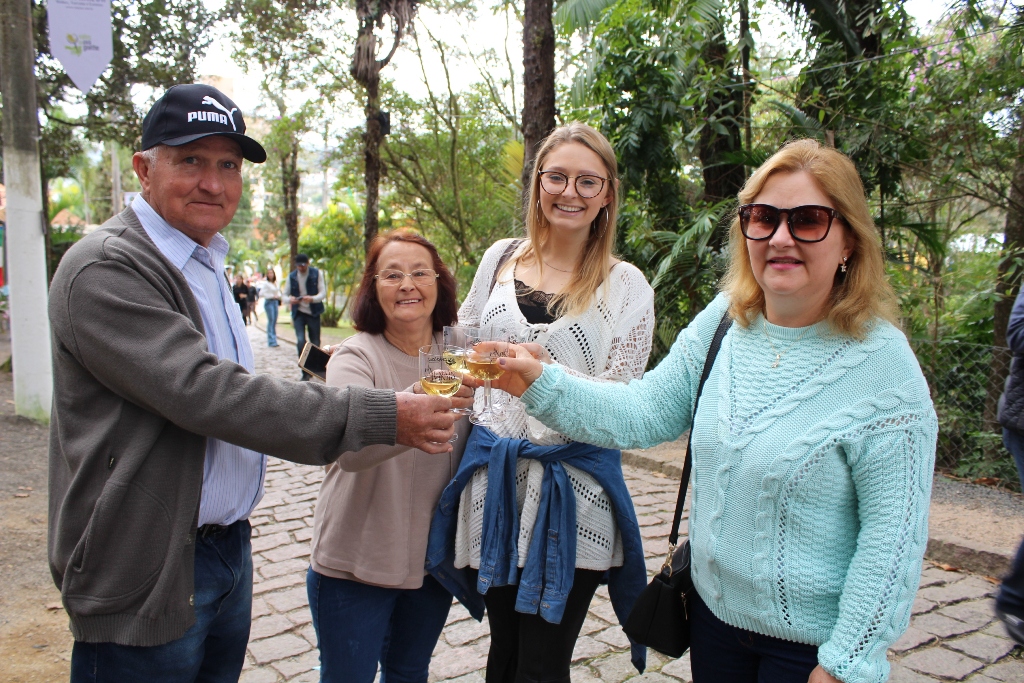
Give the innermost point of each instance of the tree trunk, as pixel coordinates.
(747, 85)
(722, 178)
(1007, 285)
(290, 181)
(371, 158)
(538, 83)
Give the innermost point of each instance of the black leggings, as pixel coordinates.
(527, 649)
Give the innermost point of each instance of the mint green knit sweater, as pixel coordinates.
(811, 480)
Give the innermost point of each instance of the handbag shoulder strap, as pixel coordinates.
(716, 343)
(505, 256)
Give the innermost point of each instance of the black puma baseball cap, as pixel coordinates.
(189, 112)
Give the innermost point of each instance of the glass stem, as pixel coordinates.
(487, 396)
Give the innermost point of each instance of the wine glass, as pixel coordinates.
(436, 377)
(482, 363)
(456, 341)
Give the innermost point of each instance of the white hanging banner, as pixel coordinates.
(81, 38)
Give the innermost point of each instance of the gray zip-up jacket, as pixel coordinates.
(136, 394)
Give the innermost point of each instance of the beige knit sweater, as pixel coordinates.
(373, 514)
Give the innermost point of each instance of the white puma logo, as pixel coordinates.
(209, 101)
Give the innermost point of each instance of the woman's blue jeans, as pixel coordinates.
(358, 625)
(720, 653)
(271, 306)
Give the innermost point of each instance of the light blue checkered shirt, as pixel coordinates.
(232, 475)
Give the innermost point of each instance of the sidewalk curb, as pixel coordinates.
(967, 555)
(957, 552)
(280, 337)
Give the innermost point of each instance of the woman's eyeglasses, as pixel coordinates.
(587, 186)
(393, 278)
(808, 223)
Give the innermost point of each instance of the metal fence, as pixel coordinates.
(966, 381)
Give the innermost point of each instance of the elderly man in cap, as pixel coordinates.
(159, 425)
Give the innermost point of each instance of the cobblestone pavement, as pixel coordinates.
(953, 635)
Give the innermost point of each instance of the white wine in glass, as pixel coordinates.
(455, 357)
(482, 362)
(436, 377)
(441, 383)
(484, 367)
(456, 341)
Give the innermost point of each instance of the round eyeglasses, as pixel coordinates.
(393, 278)
(587, 186)
(808, 223)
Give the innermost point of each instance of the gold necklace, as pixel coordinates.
(558, 269)
(779, 354)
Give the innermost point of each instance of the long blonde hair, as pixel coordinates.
(860, 295)
(592, 269)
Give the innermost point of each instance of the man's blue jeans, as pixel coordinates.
(213, 649)
(358, 625)
(271, 306)
(302, 322)
(1010, 599)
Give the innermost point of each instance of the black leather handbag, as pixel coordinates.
(660, 618)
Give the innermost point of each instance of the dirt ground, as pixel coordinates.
(35, 643)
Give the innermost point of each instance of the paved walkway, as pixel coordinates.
(953, 636)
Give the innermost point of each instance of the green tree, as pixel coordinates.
(333, 241)
(663, 81)
(451, 168)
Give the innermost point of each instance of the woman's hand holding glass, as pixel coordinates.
(523, 365)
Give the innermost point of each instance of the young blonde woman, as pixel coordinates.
(814, 441)
(534, 521)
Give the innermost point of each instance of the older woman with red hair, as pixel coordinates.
(371, 599)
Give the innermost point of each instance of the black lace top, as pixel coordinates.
(534, 304)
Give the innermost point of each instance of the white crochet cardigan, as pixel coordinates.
(610, 341)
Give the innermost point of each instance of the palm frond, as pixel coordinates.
(573, 15)
(806, 125)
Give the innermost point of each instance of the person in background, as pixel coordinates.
(254, 295)
(563, 288)
(1010, 600)
(161, 427)
(306, 294)
(814, 443)
(241, 294)
(271, 295)
(372, 601)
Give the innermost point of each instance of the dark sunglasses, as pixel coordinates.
(808, 223)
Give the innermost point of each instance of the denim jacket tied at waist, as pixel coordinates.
(551, 560)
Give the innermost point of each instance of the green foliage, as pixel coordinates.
(334, 243)
(655, 92)
(451, 174)
(61, 238)
(331, 315)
